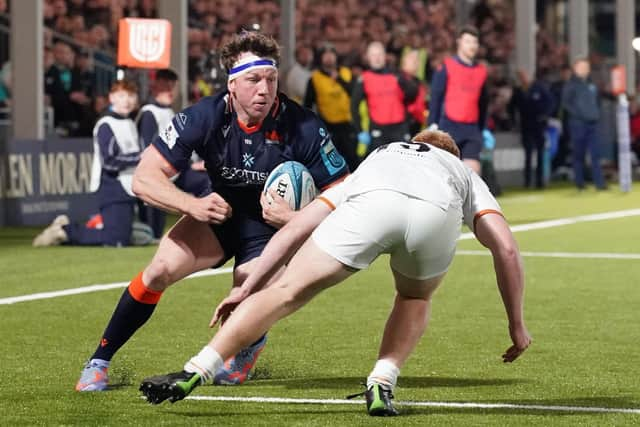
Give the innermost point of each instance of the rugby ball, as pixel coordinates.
(293, 182)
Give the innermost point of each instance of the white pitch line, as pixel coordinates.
(576, 255)
(96, 288)
(465, 236)
(566, 221)
(461, 405)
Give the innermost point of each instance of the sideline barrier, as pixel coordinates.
(42, 179)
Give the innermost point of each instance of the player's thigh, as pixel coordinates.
(429, 242)
(310, 271)
(416, 288)
(189, 246)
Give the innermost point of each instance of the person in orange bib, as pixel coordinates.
(459, 98)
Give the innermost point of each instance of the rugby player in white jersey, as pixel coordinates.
(421, 193)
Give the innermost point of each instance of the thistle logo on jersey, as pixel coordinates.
(144, 43)
(248, 160)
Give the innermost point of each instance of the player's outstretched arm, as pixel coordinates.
(278, 251)
(493, 232)
(152, 183)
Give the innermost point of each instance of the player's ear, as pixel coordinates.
(231, 86)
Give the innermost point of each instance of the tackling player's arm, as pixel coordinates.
(493, 232)
(281, 247)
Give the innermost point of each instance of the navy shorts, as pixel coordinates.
(243, 237)
(467, 136)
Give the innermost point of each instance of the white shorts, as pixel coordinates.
(420, 236)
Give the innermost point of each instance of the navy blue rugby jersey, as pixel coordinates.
(238, 159)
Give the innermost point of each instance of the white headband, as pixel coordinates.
(250, 63)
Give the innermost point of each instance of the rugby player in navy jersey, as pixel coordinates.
(241, 135)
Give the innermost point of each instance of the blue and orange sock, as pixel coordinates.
(135, 307)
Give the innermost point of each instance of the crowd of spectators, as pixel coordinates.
(89, 29)
(80, 40)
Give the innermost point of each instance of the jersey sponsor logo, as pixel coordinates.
(333, 161)
(244, 175)
(248, 159)
(248, 141)
(169, 136)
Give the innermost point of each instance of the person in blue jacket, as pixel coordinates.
(534, 103)
(580, 98)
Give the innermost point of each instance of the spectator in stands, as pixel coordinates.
(580, 99)
(116, 153)
(534, 104)
(58, 85)
(98, 12)
(500, 109)
(48, 14)
(386, 95)
(76, 7)
(82, 92)
(562, 157)
(328, 90)
(4, 35)
(299, 73)
(459, 98)
(417, 109)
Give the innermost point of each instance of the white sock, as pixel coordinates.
(100, 363)
(385, 372)
(205, 363)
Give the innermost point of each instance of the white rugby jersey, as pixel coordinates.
(421, 171)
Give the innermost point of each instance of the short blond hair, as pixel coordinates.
(438, 139)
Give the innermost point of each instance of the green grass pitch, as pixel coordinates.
(583, 313)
